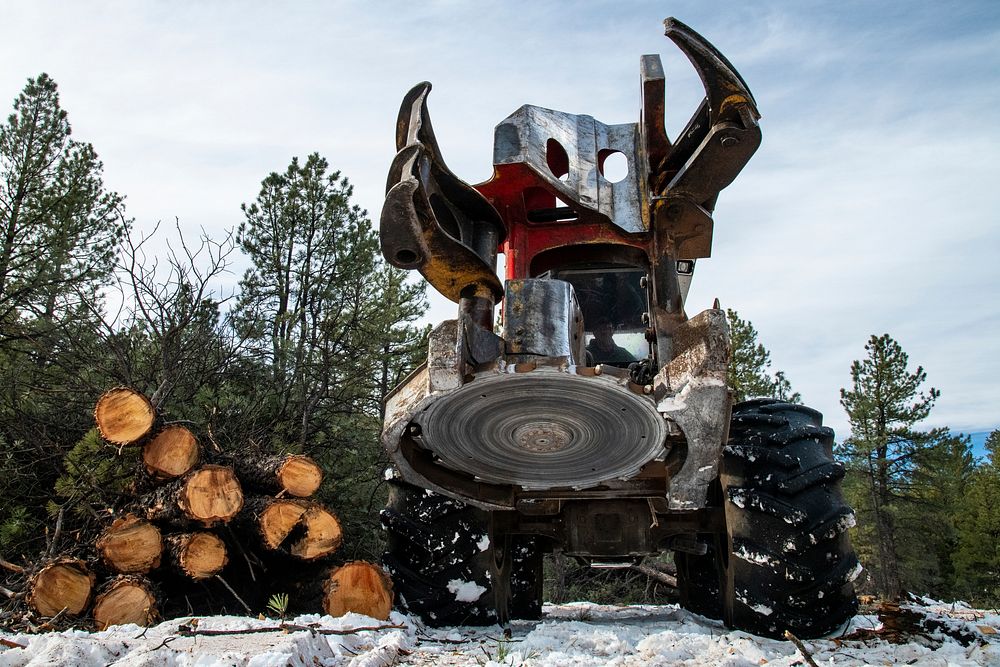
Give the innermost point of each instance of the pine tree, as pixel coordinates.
(59, 236)
(883, 406)
(977, 556)
(59, 227)
(333, 326)
(318, 303)
(749, 364)
(933, 495)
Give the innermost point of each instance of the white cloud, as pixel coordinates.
(870, 207)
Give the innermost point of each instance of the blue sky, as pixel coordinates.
(871, 206)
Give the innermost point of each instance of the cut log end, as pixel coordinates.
(63, 584)
(303, 529)
(125, 600)
(171, 453)
(198, 555)
(323, 534)
(358, 587)
(124, 416)
(278, 519)
(300, 476)
(131, 545)
(211, 495)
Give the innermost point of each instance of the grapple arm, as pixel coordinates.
(432, 221)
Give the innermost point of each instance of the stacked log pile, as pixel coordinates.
(246, 524)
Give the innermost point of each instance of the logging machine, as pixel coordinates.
(596, 421)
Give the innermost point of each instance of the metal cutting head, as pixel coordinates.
(544, 430)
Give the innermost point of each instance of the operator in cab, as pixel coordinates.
(603, 348)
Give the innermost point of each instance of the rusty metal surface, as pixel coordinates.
(691, 391)
(524, 137)
(542, 318)
(714, 147)
(444, 358)
(432, 221)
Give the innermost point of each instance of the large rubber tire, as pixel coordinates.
(789, 564)
(526, 578)
(448, 569)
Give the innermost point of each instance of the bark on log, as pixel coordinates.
(131, 545)
(198, 555)
(124, 416)
(303, 529)
(171, 453)
(208, 496)
(656, 574)
(293, 474)
(65, 583)
(360, 587)
(125, 599)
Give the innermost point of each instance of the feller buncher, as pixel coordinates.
(598, 423)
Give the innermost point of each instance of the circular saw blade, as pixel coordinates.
(544, 430)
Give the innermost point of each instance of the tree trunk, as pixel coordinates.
(131, 545)
(125, 599)
(209, 495)
(124, 416)
(171, 453)
(889, 580)
(358, 587)
(65, 583)
(299, 528)
(293, 474)
(198, 555)
(559, 574)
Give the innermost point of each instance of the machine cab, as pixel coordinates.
(613, 302)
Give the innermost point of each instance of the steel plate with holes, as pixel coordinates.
(544, 429)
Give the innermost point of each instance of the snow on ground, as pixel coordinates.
(576, 634)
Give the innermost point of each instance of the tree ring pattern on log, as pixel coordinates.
(131, 545)
(64, 583)
(170, 453)
(300, 476)
(124, 416)
(125, 600)
(211, 495)
(198, 555)
(358, 587)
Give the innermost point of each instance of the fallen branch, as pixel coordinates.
(802, 649)
(163, 644)
(9, 644)
(57, 533)
(444, 640)
(665, 568)
(7, 565)
(652, 573)
(191, 631)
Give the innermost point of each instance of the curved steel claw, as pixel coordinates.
(728, 95)
(707, 156)
(432, 221)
